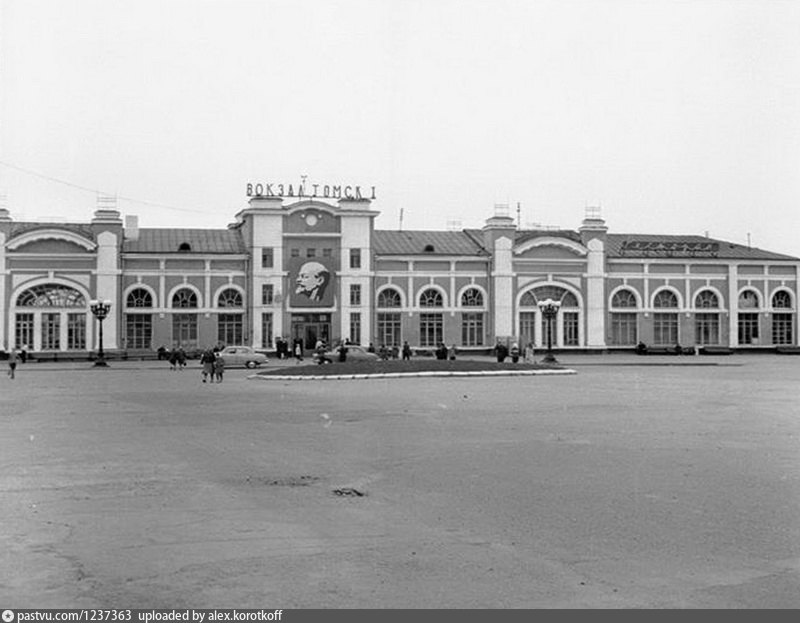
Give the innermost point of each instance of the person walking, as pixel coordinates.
(298, 350)
(173, 359)
(219, 367)
(12, 363)
(207, 361)
(406, 351)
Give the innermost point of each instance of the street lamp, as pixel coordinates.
(100, 310)
(549, 309)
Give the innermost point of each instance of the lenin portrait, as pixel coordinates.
(311, 285)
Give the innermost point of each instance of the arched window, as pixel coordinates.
(229, 298)
(623, 299)
(706, 300)
(431, 298)
(569, 300)
(782, 300)
(748, 300)
(472, 298)
(184, 246)
(389, 298)
(184, 298)
(51, 295)
(527, 299)
(549, 292)
(665, 300)
(139, 297)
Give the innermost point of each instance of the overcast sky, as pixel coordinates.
(674, 117)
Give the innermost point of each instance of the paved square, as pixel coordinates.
(620, 486)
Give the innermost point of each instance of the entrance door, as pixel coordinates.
(311, 327)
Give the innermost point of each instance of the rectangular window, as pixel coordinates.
(266, 330)
(327, 252)
(527, 327)
(431, 329)
(748, 328)
(355, 258)
(295, 252)
(267, 258)
(623, 329)
(706, 329)
(267, 294)
(138, 330)
(229, 329)
(76, 331)
(570, 322)
(782, 328)
(184, 330)
(389, 329)
(51, 331)
(472, 329)
(355, 294)
(311, 252)
(665, 329)
(23, 333)
(355, 328)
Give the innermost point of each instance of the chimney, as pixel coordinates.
(131, 227)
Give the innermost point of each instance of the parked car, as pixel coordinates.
(354, 353)
(242, 356)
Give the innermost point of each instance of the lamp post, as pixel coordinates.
(549, 309)
(100, 310)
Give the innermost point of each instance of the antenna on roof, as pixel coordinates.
(518, 215)
(748, 239)
(401, 219)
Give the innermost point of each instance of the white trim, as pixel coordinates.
(136, 286)
(393, 286)
(431, 286)
(184, 310)
(636, 295)
(672, 289)
(50, 234)
(552, 241)
(472, 286)
(230, 286)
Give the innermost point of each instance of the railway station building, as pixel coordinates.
(316, 268)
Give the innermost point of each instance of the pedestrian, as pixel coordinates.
(181, 359)
(342, 352)
(514, 353)
(529, 353)
(23, 353)
(12, 363)
(395, 351)
(501, 350)
(451, 353)
(406, 351)
(298, 350)
(207, 361)
(173, 359)
(371, 348)
(383, 352)
(219, 367)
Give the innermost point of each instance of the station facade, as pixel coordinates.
(313, 268)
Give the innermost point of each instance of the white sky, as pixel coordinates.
(674, 117)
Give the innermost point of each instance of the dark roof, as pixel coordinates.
(199, 241)
(683, 246)
(436, 242)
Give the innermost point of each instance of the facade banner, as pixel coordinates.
(311, 282)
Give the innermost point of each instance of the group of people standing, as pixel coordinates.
(213, 366)
(502, 351)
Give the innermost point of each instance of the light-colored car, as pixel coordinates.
(354, 353)
(242, 356)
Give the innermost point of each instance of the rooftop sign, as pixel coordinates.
(311, 191)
